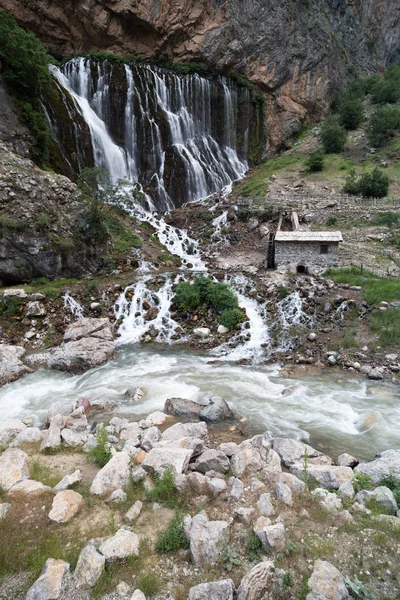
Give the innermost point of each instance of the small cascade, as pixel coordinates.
(74, 307)
(218, 223)
(135, 307)
(290, 313)
(182, 138)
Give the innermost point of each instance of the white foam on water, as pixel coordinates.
(73, 306)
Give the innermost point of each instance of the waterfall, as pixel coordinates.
(182, 138)
(73, 305)
(290, 313)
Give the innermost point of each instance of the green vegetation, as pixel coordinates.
(256, 186)
(362, 481)
(393, 483)
(148, 584)
(387, 219)
(333, 135)
(229, 558)
(254, 547)
(315, 162)
(287, 580)
(383, 123)
(43, 221)
(373, 184)
(358, 590)
(25, 69)
(375, 288)
(174, 537)
(204, 291)
(10, 308)
(42, 473)
(351, 112)
(166, 257)
(164, 490)
(11, 223)
(122, 238)
(231, 318)
(100, 454)
(387, 325)
(386, 90)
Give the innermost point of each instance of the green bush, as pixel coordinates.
(393, 483)
(333, 135)
(174, 537)
(387, 90)
(221, 297)
(382, 125)
(315, 162)
(148, 584)
(351, 112)
(187, 296)
(362, 481)
(100, 454)
(43, 221)
(204, 291)
(373, 184)
(231, 318)
(331, 222)
(388, 219)
(164, 490)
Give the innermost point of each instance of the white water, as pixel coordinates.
(73, 306)
(336, 411)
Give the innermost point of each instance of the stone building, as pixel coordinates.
(307, 251)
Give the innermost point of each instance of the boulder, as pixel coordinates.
(131, 432)
(212, 460)
(158, 459)
(52, 436)
(11, 365)
(138, 595)
(34, 308)
(121, 545)
(115, 474)
(265, 505)
(243, 515)
(228, 448)
(381, 497)
(346, 490)
(216, 410)
(155, 418)
(347, 460)
(217, 485)
(89, 568)
(89, 327)
(294, 483)
(73, 438)
(150, 438)
(68, 481)
(48, 585)
(246, 459)
(134, 394)
(30, 435)
(273, 537)
(180, 407)
(183, 430)
(29, 487)
(329, 477)
(202, 332)
(13, 468)
(134, 511)
(384, 463)
(207, 539)
(237, 489)
(326, 583)
(63, 408)
(80, 356)
(215, 590)
(284, 493)
(66, 505)
(257, 583)
(331, 502)
(292, 452)
(9, 428)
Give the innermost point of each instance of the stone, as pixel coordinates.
(48, 585)
(35, 309)
(85, 404)
(294, 483)
(13, 468)
(328, 500)
(326, 583)
(376, 373)
(121, 545)
(346, 490)
(10, 428)
(222, 330)
(246, 459)
(215, 590)
(382, 498)
(72, 438)
(212, 460)
(284, 493)
(68, 481)
(63, 408)
(312, 337)
(11, 365)
(29, 487)
(134, 394)
(243, 515)
(114, 475)
(158, 459)
(30, 435)
(180, 407)
(202, 332)
(4, 508)
(117, 497)
(138, 595)
(326, 476)
(155, 418)
(216, 410)
(384, 463)
(207, 539)
(292, 452)
(183, 430)
(89, 568)
(150, 438)
(228, 448)
(132, 433)
(133, 512)
(217, 485)
(66, 505)
(237, 489)
(123, 589)
(15, 293)
(346, 460)
(265, 505)
(52, 436)
(332, 360)
(138, 474)
(273, 537)
(82, 355)
(257, 583)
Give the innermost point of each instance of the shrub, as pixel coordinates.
(174, 537)
(204, 291)
(164, 490)
(100, 454)
(221, 297)
(333, 135)
(351, 112)
(383, 123)
(43, 221)
(362, 481)
(393, 483)
(148, 584)
(388, 219)
(315, 162)
(231, 318)
(373, 184)
(254, 547)
(331, 222)
(187, 296)
(387, 90)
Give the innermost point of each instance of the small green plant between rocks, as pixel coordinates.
(100, 454)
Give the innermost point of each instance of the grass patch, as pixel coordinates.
(376, 289)
(166, 257)
(174, 537)
(256, 184)
(42, 473)
(148, 584)
(164, 490)
(387, 325)
(122, 238)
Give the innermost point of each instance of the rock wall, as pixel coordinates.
(307, 254)
(296, 51)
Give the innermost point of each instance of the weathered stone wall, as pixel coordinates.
(307, 254)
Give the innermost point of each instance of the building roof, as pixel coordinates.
(308, 236)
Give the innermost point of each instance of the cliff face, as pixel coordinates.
(297, 51)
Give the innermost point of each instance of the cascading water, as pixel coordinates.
(177, 136)
(74, 307)
(290, 313)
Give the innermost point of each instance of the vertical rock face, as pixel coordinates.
(296, 51)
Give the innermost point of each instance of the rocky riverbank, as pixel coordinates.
(189, 509)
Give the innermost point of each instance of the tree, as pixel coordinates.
(333, 135)
(383, 123)
(315, 162)
(373, 184)
(351, 112)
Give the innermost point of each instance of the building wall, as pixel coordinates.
(306, 254)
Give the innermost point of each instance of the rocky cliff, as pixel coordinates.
(296, 51)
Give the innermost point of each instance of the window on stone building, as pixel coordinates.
(323, 249)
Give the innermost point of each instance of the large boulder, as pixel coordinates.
(68, 481)
(48, 585)
(89, 327)
(159, 459)
(114, 475)
(207, 539)
(246, 459)
(384, 463)
(215, 590)
(52, 435)
(216, 410)
(80, 356)
(327, 476)
(183, 430)
(381, 497)
(212, 460)
(11, 365)
(89, 568)
(121, 545)
(9, 428)
(326, 583)
(273, 537)
(180, 407)
(13, 468)
(29, 487)
(294, 453)
(66, 505)
(258, 582)
(30, 435)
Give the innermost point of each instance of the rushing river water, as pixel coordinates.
(336, 412)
